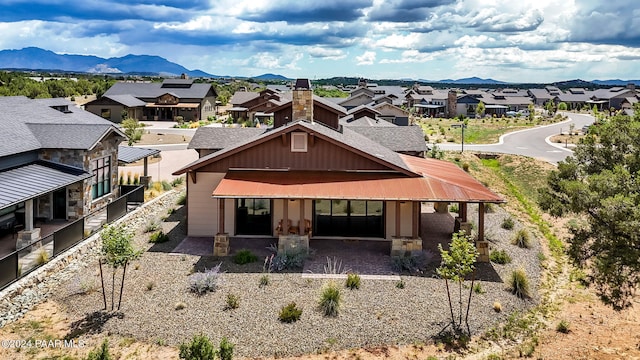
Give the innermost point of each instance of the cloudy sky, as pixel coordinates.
(517, 41)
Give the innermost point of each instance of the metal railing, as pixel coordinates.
(22, 261)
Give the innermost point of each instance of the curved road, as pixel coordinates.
(531, 142)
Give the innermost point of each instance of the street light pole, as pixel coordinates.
(461, 126)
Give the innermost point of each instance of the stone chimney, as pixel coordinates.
(452, 103)
(302, 103)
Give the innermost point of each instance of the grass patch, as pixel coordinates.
(353, 281)
(330, 299)
(522, 239)
(244, 256)
(500, 257)
(519, 284)
(290, 313)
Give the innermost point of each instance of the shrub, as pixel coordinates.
(158, 237)
(519, 283)
(290, 259)
(152, 226)
(179, 305)
(497, 307)
(200, 348)
(454, 208)
(177, 181)
(202, 282)
(150, 285)
(290, 313)
(353, 281)
(330, 299)
(489, 208)
(182, 199)
(465, 167)
(42, 257)
(522, 239)
(244, 256)
(563, 327)
(100, 353)
(334, 266)
(226, 349)
(477, 288)
(264, 280)
(499, 257)
(233, 301)
(507, 223)
(157, 186)
(400, 284)
(165, 185)
(411, 261)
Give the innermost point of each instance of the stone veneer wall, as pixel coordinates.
(79, 194)
(302, 105)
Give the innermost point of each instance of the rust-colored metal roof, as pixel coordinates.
(440, 181)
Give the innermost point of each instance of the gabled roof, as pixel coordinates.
(364, 121)
(28, 125)
(241, 97)
(347, 139)
(396, 138)
(130, 154)
(126, 100)
(155, 90)
(317, 100)
(210, 138)
(364, 107)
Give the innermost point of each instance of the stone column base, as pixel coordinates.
(26, 237)
(293, 243)
(404, 246)
(221, 245)
(483, 250)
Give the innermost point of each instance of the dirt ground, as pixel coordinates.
(159, 139)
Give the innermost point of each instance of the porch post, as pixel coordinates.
(463, 211)
(146, 164)
(481, 222)
(28, 215)
(221, 216)
(285, 216)
(398, 218)
(416, 217)
(301, 222)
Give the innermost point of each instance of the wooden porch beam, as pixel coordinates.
(397, 219)
(481, 222)
(416, 219)
(221, 216)
(463, 211)
(301, 221)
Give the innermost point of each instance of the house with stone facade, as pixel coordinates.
(57, 163)
(170, 100)
(310, 178)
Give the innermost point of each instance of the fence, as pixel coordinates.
(28, 258)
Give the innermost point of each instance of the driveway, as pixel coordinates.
(531, 142)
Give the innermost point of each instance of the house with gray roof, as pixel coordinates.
(58, 162)
(170, 100)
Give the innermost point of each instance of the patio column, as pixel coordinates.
(28, 215)
(416, 219)
(285, 216)
(481, 222)
(398, 219)
(301, 222)
(463, 211)
(146, 164)
(220, 216)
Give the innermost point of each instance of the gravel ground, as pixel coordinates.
(378, 313)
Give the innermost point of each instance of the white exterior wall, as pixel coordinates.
(202, 208)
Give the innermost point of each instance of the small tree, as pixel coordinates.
(480, 108)
(117, 251)
(550, 106)
(133, 130)
(562, 106)
(532, 112)
(457, 263)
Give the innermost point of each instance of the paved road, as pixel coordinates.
(531, 142)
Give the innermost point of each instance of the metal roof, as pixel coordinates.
(440, 181)
(129, 154)
(30, 181)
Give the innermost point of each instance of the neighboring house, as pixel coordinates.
(253, 105)
(170, 100)
(327, 180)
(606, 99)
(57, 162)
(392, 114)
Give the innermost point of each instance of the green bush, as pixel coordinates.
(563, 327)
(165, 185)
(100, 353)
(158, 237)
(233, 302)
(353, 281)
(182, 199)
(177, 181)
(519, 283)
(152, 226)
(226, 349)
(500, 257)
(200, 348)
(244, 256)
(202, 282)
(454, 208)
(400, 284)
(507, 223)
(522, 239)
(330, 299)
(290, 313)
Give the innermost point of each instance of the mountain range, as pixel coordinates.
(33, 58)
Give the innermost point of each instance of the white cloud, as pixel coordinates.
(325, 53)
(368, 58)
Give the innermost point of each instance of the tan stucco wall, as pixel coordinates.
(406, 219)
(203, 209)
(390, 219)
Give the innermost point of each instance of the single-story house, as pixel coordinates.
(309, 177)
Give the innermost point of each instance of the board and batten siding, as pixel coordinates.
(203, 209)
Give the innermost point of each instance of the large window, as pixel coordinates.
(253, 217)
(101, 177)
(352, 218)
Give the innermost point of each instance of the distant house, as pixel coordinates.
(613, 97)
(311, 178)
(250, 105)
(57, 162)
(167, 101)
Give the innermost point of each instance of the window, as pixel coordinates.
(101, 177)
(298, 142)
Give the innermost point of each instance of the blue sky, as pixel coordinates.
(517, 41)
